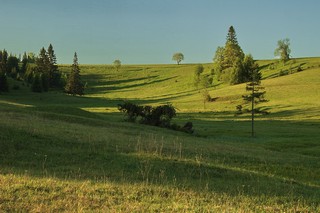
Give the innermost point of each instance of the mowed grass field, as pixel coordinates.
(76, 154)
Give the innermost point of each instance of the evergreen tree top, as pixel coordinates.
(232, 37)
(75, 59)
(52, 56)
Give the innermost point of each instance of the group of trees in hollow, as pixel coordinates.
(39, 72)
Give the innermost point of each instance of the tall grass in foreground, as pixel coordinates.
(78, 163)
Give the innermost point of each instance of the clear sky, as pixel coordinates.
(150, 31)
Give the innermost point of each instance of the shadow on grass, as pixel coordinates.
(108, 86)
(39, 154)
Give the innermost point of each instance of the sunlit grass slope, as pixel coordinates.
(75, 154)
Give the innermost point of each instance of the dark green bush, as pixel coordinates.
(155, 116)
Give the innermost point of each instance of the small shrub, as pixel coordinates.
(155, 116)
(132, 111)
(188, 127)
(299, 68)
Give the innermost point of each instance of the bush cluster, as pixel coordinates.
(155, 116)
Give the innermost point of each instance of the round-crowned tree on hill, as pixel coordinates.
(283, 50)
(178, 57)
(117, 64)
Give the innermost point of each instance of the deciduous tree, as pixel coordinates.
(283, 50)
(178, 57)
(117, 64)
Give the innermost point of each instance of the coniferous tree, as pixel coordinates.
(37, 84)
(54, 74)
(3, 62)
(74, 85)
(13, 66)
(42, 61)
(256, 96)
(41, 71)
(232, 50)
(24, 63)
(4, 87)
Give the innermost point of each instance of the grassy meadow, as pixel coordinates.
(76, 154)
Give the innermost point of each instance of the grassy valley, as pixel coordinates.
(68, 153)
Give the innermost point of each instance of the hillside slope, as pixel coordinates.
(64, 153)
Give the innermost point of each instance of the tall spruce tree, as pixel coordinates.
(74, 85)
(42, 68)
(53, 72)
(42, 61)
(232, 50)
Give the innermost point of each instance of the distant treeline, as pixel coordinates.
(40, 72)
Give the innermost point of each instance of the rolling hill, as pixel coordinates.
(65, 153)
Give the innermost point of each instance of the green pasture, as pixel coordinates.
(76, 154)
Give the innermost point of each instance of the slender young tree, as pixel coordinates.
(74, 85)
(256, 96)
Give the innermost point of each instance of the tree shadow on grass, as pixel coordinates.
(40, 156)
(107, 86)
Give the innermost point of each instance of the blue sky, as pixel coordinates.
(150, 31)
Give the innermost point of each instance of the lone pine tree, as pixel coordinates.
(256, 96)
